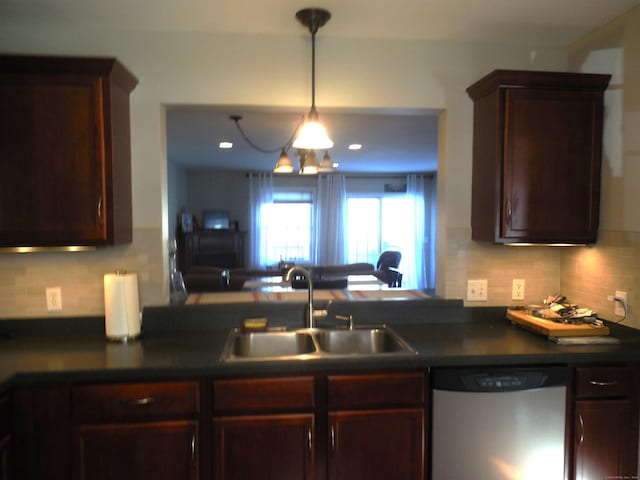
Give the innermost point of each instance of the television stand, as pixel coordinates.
(213, 248)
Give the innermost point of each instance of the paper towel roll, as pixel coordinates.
(121, 306)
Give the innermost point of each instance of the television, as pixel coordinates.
(215, 219)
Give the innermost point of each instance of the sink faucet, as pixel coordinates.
(310, 315)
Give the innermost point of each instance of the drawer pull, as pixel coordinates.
(603, 384)
(141, 402)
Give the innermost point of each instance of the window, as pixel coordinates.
(287, 226)
(382, 222)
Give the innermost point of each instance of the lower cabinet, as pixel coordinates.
(351, 427)
(5, 437)
(41, 431)
(376, 426)
(380, 444)
(264, 428)
(605, 443)
(135, 431)
(160, 450)
(264, 446)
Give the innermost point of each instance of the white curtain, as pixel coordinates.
(330, 219)
(413, 263)
(260, 193)
(430, 206)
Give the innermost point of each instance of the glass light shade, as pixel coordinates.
(284, 164)
(309, 166)
(312, 136)
(326, 165)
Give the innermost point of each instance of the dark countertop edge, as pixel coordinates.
(242, 369)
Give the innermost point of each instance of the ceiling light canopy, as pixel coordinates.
(310, 134)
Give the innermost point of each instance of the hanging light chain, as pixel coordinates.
(255, 146)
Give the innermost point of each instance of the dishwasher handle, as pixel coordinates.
(502, 379)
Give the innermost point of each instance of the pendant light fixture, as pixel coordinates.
(312, 135)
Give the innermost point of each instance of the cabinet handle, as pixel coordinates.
(100, 209)
(140, 402)
(193, 447)
(508, 212)
(581, 425)
(310, 437)
(603, 384)
(333, 438)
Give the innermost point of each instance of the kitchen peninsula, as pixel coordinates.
(90, 400)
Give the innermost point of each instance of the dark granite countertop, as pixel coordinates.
(185, 342)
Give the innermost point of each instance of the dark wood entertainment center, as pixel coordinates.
(212, 248)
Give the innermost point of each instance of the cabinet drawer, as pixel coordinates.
(347, 391)
(263, 394)
(135, 400)
(603, 381)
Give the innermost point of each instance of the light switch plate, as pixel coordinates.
(476, 290)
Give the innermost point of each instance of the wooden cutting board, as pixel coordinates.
(550, 328)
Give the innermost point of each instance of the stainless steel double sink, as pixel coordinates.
(314, 343)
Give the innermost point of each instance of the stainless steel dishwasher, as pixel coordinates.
(499, 423)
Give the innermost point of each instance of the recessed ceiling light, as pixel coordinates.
(355, 146)
(225, 145)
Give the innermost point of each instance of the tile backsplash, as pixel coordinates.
(590, 275)
(499, 265)
(586, 275)
(80, 277)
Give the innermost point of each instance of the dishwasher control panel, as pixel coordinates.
(498, 380)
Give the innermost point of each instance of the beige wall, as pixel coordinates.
(200, 68)
(591, 275)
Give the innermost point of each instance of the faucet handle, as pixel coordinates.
(346, 318)
(322, 313)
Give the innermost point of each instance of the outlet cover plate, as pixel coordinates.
(54, 299)
(517, 289)
(618, 308)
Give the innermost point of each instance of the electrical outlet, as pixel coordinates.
(517, 289)
(476, 290)
(620, 305)
(54, 299)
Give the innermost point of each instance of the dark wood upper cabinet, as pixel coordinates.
(65, 151)
(537, 147)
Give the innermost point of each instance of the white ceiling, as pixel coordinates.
(404, 141)
(541, 22)
(553, 23)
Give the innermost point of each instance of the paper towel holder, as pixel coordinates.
(123, 317)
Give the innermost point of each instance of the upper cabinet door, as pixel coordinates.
(537, 157)
(64, 152)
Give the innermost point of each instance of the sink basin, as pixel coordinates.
(270, 344)
(360, 341)
(308, 344)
